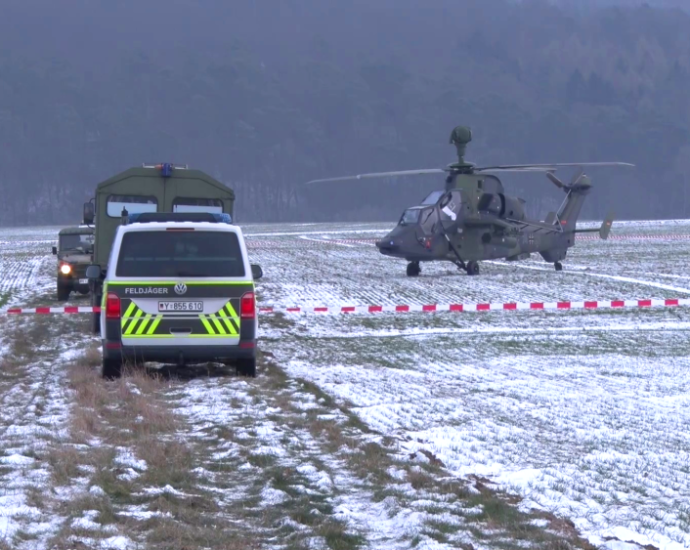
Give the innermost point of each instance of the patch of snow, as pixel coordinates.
(272, 497)
(97, 491)
(125, 457)
(17, 460)
(117, 543)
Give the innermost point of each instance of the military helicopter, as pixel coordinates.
(472, 219)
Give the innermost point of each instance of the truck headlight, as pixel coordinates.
(65, 269)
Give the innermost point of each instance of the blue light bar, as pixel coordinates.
(182, 217)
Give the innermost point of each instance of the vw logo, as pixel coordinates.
(180, 288)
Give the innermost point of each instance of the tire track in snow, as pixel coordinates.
(34, 415)
(590, 424)
(509, 330)
(581, 271)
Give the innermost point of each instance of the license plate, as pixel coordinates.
(181, 306)
(83, 281)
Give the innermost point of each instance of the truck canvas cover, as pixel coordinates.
(161, 188)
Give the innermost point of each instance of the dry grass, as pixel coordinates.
(169, 463)
(64, 463)
(132, 414)
(169, 534)
(130, 403)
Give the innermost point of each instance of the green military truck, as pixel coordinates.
(150, 188)
(74, 249)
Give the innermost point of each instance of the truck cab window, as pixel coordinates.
(74, 242)
(214, 206)
(134, 204)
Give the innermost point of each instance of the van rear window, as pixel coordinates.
(180, 254)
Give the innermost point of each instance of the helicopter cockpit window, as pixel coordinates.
(410, 217)
(433, 197)
(428, 220)
(450, 205)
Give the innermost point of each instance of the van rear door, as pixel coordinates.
(182, 286)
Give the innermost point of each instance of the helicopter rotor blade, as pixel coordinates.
(547, 167)
(536, 169)
(577, 176)
(383, 175)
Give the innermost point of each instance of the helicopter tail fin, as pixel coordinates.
(550, 218)
(569, 212)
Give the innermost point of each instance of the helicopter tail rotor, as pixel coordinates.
(553, 179)
(574, 181)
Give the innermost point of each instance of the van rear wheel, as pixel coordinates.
(95, 317)
(247, 367)
(112, 369)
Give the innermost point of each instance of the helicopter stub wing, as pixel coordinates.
(383, 175)
(487, 222)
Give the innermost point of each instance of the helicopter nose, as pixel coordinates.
(387, 245)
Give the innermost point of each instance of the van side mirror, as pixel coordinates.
(54, 250)
(93, 272)
(257, 272)
(89, 213)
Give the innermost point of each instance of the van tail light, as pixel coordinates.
(248, 306)
(112, 306)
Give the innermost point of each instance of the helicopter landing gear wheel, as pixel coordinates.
(558, 266)
(472, 268)
(413, 269)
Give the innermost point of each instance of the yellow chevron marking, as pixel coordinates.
(134, 321)
(226, 320)
(226, 315)
(154, 325)
(144, 322)
(125, 317)
(208, 326)
(216, 322)
(233, 314)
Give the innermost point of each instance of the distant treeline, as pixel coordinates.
(267, 95)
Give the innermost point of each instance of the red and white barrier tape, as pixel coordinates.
(508, 306)
(49, 310)
(513, 306)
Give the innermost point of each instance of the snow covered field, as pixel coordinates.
(581, 413)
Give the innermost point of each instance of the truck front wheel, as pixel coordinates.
(63, 290)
